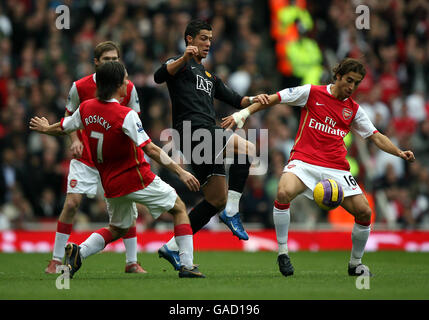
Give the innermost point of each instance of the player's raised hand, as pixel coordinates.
(407, 155)
(39, 124)
(190, 51)
(189, 180)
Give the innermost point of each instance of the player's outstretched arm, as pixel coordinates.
(261, 102)
(42, 125)
(159, 155)
(385, 144)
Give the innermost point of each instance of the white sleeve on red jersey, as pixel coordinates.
(296, 96)
(133, 128)
(362, 125)
(73, 100)
(134, 100)
(72, 123)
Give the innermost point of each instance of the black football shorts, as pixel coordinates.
(204, 149)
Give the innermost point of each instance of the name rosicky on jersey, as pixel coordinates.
(98, 120)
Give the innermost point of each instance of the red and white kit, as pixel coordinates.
(83, 178)
(115, 136)
(319, 151)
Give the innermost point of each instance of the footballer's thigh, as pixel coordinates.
(289, 187)
(122, 212)
(358, 206)
(158, 197)
(81, 180)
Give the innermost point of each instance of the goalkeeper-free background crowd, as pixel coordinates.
(38, 64)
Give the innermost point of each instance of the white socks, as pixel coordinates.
(233, 203)
(185, 245)
(130, 250)
(59, 246)
(61, 237)
(172, 245)
(360, 235)
(281, 217)
(186, 250)
(95, 243)
(130, 242)
(185, 241)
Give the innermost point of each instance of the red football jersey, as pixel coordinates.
(115, 138)
(324, 122)
(85, 89)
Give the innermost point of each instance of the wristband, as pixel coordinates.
(240, 117)
(251, 99)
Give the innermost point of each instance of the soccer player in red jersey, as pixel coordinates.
(327, 115)
(83, 178)
(115, 141)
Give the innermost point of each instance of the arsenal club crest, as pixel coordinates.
(73, 183)
(347, 113)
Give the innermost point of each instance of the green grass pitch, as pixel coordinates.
(230, 276)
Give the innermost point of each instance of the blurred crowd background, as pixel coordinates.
(258, 46)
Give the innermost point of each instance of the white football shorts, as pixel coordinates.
(158, 197)
(82, 179)
(311, 174)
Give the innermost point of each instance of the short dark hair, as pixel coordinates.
(102, 47)
(349, 65)
(109, 77)
(195, 26)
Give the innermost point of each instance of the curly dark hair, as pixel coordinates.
(349, 65)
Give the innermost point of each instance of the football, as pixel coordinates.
(328, 194)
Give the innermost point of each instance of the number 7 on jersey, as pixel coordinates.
(100, 137)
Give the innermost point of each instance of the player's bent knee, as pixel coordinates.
(364, 215)
(218, 202)
(179, 206)
(283, 196)
(71, 205)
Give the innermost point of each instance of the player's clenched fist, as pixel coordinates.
(190, 51)
(407, 155)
